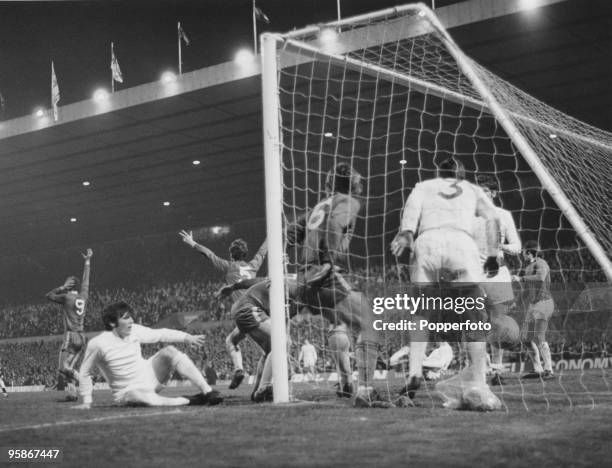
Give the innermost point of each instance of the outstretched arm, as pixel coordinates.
(85, 283)
(219, 263)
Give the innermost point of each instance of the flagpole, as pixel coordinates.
(112, 77)
(254, 30)
(180, 52)
(338, 8)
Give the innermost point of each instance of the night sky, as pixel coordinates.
(77, 37)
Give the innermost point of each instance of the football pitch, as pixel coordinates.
(563, 422)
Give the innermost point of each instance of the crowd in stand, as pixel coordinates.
(151, 305)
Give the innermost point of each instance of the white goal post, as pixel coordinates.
(371, 46)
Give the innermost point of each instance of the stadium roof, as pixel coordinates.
(137, 148)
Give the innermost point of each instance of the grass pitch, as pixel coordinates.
(565, 422)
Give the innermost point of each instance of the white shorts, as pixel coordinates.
(309, 363)
(439, 358)
(541, 310)
(447, 254)
(499, 288)
(146, 380)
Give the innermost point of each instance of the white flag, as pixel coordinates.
(55, 94)
(260, 15)
(117, 76)
(182, 34)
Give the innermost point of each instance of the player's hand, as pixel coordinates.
(82, 406)
(69, 284)
(515, 278)
(403, 241)
(319, 275)
(187, 237)
(88, 254)
(491, 267)
(196, 340)
(295, 232)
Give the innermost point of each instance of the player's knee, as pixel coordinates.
(539, 338)
(171, 356)
(67, 372)
(339, 343)
(229, 343)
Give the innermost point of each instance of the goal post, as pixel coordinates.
(274, 213)
(392, 94)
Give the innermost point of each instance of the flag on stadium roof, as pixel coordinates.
(117, 76)
(55, 93)
(260, 15)
(182, 34)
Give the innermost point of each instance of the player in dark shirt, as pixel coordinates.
(251, 313)
(2, 386)
(536, 280)
(325, 234)
(73, 346)
(234, 270)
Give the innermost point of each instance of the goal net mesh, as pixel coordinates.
(386, 96)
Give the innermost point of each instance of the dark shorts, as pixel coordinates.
(74, 342)
(325, 294)
(248, 318)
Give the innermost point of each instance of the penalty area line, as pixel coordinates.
(88, 421)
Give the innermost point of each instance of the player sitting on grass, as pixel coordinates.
(445, 258)
(73, 344)
(234, 270)
(134, 380)
(324, 236)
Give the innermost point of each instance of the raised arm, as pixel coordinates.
(260, 256)
(219, 263)
(85, 283)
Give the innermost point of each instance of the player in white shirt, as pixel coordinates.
(441, 212)
(308, 357)
(134, 380)
(498, 288)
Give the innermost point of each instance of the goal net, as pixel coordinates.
(392, 95)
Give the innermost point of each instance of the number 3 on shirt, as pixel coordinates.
(458, 191)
